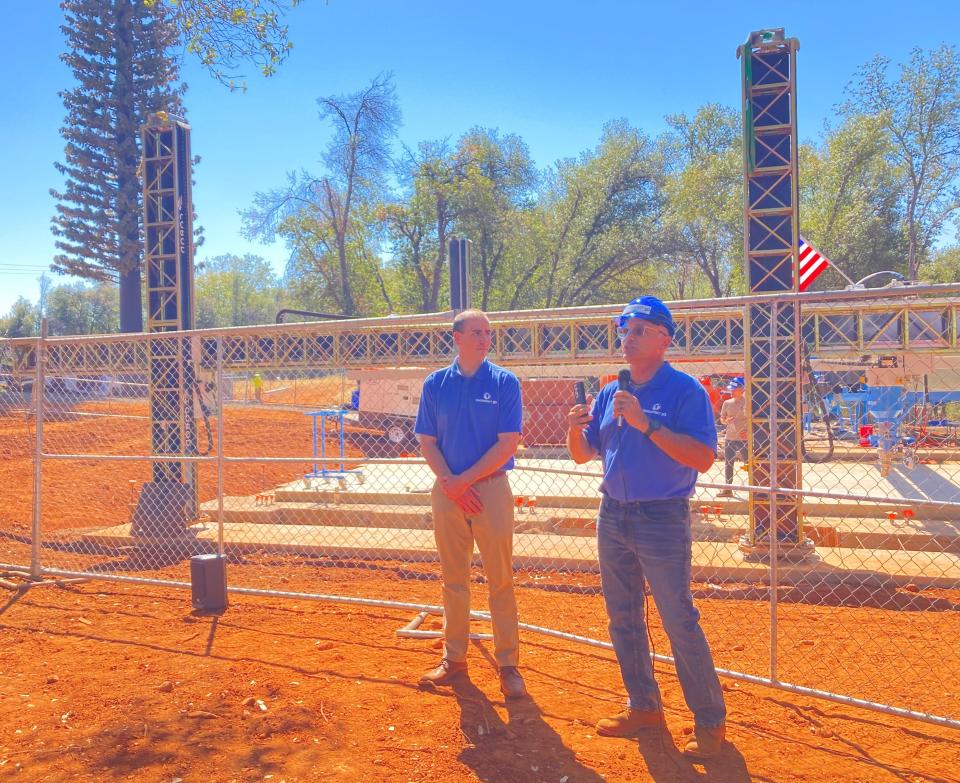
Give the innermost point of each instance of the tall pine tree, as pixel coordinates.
(120, 54)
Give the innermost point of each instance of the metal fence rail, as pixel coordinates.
(290, 475)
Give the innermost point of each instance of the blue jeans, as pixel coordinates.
(651, 540)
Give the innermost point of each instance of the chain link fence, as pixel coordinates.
(307, 475)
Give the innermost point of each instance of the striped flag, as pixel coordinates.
(812, 263)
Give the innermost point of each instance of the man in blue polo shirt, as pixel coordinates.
(654, 439)
(468, 425)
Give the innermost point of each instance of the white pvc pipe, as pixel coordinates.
(132, 458)
(415, 623)
(479, 637)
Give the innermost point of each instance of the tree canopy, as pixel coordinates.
(367, 230)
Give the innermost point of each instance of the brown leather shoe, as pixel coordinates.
(511, 683)
(629, 723)
(445, 673)
(706, 742)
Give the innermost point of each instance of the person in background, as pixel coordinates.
(654, 438)
(733, 415)
(716, 399)
(257, 387)
(469, 425)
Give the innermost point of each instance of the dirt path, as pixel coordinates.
(120, 682)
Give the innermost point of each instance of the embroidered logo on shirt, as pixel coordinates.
(486, 398)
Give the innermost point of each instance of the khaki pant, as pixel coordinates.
(492, 529)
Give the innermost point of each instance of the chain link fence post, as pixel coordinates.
(219, 383)
(38, 388)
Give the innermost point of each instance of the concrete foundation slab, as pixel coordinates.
(710, 559)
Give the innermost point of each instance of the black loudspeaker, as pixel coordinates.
(460, 287)
(208, 583)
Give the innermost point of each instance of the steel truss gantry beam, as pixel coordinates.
(917, 319)
(168, 502)
(773, 359)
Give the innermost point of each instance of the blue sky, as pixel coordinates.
(552, 72)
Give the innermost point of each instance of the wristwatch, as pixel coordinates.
(655, 424)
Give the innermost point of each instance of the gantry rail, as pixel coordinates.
(916, 319)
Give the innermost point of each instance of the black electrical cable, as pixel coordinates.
(205, 412)
(816, 402)
(663, 728)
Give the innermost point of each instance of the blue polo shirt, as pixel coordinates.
(634, 468)
(466, 415)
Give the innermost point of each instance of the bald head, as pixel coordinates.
(460, 321)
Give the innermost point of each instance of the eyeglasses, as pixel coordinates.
(639, 330)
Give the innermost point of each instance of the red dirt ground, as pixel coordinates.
(87, 493)
(83, 694)
(108, 681)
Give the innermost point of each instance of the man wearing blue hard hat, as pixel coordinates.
(733, 415)
(655, 432)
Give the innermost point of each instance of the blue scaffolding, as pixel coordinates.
(323, 471)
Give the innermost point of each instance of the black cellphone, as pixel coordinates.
(580, 393)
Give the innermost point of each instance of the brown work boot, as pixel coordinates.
(706, 742)
(629, 723)
(511, 683)
(445, 673)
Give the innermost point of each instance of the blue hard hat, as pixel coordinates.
(648, 308)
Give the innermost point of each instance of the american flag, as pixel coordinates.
(812, 263)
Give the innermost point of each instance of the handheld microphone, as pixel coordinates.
(580, 393)
(623, 383)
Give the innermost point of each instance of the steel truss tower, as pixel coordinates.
(771, 235)
(169, 501)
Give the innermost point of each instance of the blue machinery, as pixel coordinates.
(321, 441)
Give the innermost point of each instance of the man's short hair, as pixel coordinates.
(464, 316)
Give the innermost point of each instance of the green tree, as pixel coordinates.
(44, 284)
(419, 223)
(414, 268)
(703, 218)
(103, 308)
(597, 224)
(944, 266)
(119, 53)
(225, 33)
(850, 205)
(496, 186)
(77, 308)
(317, 216)
(919, 109)
(236, 291)
(21, 320)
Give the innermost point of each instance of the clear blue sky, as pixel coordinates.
(552, 72)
